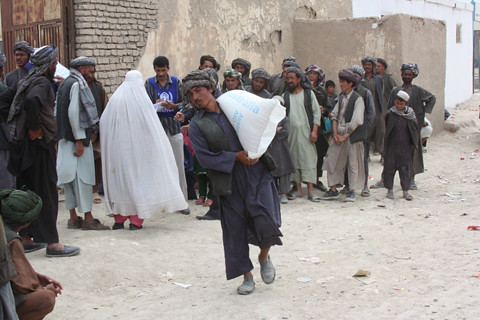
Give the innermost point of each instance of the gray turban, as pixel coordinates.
(23, 46)
(305, 83)
(369, 59)
(82, 61)
(213, 74)
(348, 75)
(260, 73)
(290, 64)
(357, 69)
(383, 62)
(244, 63)
(197, 78)
(410, 66)
(291, 59)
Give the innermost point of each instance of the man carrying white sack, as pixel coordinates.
(140, 175)
(248, 200)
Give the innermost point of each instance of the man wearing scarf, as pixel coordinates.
(233, 80)
(32, 127)
(304, 113)
(260, 80)
(245, 189)
(421, 101)
(374, 83)
(3, 60)
(346, 150)
(34, 293)
(401, 138)
(243, 66)
(77, 119)
(22, 51)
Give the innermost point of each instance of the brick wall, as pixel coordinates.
(114, 33)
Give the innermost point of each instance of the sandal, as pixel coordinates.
(199, 201)
(390, 194)
(365, 193)
(408, 196)
(207, 203)
(314, 198)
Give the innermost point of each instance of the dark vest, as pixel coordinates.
(360, 133)
(64, 129)
(217, 141)
(307, 103)
(97, 92)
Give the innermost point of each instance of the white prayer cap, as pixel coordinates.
(403, 95)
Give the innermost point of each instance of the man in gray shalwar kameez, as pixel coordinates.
(346, 150)
(245, 189)
(77, 119)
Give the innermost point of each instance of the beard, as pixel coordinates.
(291, 87)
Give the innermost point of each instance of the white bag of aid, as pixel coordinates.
(254, 119)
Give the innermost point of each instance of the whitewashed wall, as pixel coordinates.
(458, 82)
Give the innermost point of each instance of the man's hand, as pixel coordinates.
(169, 105)
(313, 136)
(79, 148)
(50, 284)
(242, 156)
(34, 134)
(179, 116)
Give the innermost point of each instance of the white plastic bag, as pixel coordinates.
(254, 119)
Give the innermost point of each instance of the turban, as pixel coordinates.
(244, 63)
(19, 207)
(289, 64)
(23, 46)
(369, 59)
(213, 74)
(232, 73)
(317, 69)
(357, 69)
(410, 66)
(41, 60)
(383, 62)
(290, 59)
(260, 73)
(349, 75)
(82, 61)
(197, 78)
(305, 83)
(3, 59)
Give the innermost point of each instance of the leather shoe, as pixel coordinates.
(134, 227)
(66, 252)
(208, 216)
(117, 226)
(34, 247)
(185, 211)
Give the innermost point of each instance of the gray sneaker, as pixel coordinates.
(350, 196)
(330, 195)
(283, 199)
(247, 287)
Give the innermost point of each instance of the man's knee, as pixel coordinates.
(36, 305)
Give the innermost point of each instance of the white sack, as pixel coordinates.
(254, 119)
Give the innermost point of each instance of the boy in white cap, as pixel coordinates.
(401, 135)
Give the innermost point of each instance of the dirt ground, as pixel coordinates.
(423, 261)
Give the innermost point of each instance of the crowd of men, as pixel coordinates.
(50, 138)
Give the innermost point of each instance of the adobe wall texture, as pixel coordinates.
(396, 38)
(125, 35)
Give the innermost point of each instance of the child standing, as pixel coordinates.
(400, 140)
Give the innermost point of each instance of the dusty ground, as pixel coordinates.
(421, 257)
